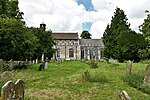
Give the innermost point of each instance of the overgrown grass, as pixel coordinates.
(64, 81)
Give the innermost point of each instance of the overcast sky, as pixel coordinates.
(78, 15)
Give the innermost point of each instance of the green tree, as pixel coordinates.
(120, 41)
(45, 42)
(85, 35)
(16, 42)
(9, 8)
(145, 29)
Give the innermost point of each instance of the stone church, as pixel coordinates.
(70, 47)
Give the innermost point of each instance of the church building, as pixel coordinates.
(70, 47)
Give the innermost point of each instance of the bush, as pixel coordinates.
(95, 77)
(135, 79)
(93, 64)
(5, 66)
(145, 88)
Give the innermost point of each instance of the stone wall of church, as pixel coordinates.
(65, 47)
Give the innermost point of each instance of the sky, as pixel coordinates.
(79, 15)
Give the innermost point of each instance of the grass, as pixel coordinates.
(64, 82)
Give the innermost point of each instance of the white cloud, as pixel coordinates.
(60, 15)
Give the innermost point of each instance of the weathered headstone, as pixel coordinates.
(46, 63)
(42, 66)
(1, 64)
(147, 75)
(128, 68)
(8, 91)
(19, 89)
(36, 61)
(26, 61)
(42, 59)
(11, 91)
(33, 61)
(6, 76)
(30, 62)
(124, 96)
(11, 64)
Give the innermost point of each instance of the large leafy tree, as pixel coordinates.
(16, 42)
(45, 42)
(119, 39)
(85, 35)
(145, 29)
(9, 8)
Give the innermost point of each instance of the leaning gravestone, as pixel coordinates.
(11, 91)
(147, 75)
(1, 64)
(11, 64)
(128, 67)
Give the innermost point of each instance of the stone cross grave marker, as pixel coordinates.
(13, 91)
(128, 68)
(147, 75)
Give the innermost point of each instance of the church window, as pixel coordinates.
(71, 52)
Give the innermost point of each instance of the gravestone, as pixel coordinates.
(42, 66)
(42, 59)
(36, 61)
(30, 62)
(33, 61)
(124, 96)
(26, 61)
(147, 75)
(6, 76)
(128, 67)
(8, 90)
(11, 91)
(11, 64)
(19, 89)
(46, 63)
(1, 64)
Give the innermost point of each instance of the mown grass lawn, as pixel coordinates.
(64, 82)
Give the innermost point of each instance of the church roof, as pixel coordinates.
(65, 36)
(91, 42)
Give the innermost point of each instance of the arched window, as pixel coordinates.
(71, 52)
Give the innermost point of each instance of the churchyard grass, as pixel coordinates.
(64, 82)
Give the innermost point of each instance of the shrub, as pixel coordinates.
(93, 64)
(95, 77)
(135, 79)
(145, 88)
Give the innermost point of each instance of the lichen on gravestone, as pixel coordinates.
(147, 75)
(128, 68)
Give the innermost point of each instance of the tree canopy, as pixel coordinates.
(120, 41)
(17, 41)
(85, 35)
(145, 29)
